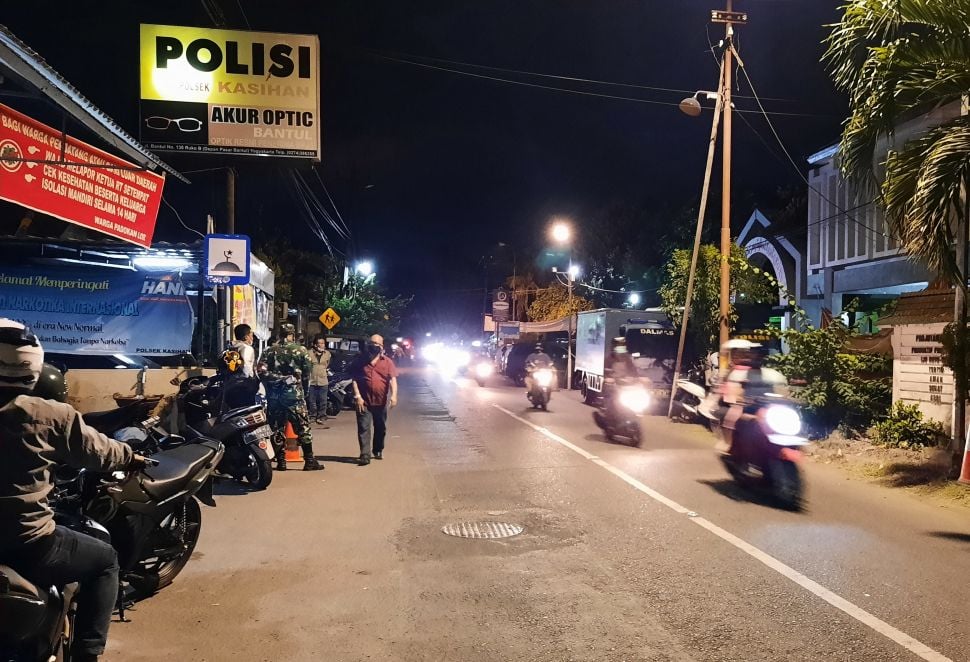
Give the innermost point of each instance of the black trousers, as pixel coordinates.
(371, 418)
(66, 557)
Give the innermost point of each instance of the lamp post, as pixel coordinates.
(562, 233)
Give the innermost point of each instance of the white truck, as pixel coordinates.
(651, 339)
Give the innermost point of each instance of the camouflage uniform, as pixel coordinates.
(283, 369)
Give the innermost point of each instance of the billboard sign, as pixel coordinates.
(118, 199)
(231, 92)
(100, 311)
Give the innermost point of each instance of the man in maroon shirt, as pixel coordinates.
(375, 391)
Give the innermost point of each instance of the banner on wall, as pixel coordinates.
(100, 311)
(251, 306)
(37, 172)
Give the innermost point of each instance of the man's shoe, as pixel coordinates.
(281, 461)
(379, 455)
(310, 463)
(363, 461)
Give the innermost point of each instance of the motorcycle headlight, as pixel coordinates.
(483, 369)
(782, 419)
(635, 398)
(543, 377)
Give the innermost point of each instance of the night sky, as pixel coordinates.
(430, 168)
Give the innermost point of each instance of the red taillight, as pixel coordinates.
(790, 455)
(262, 444)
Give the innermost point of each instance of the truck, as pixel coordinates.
(651, 339)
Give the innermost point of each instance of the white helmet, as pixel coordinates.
(21, 357)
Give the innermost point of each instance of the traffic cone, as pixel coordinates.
(292, 451)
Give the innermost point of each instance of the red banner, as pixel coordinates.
(116, 199)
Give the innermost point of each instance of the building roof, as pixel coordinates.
(929, 306)
(23, 64)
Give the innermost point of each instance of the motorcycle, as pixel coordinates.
(482, 370)
(540, 390)
(38, 621)
(766, 450)
(340, 395)
(619, 417)
(229, 412)
(695, 402)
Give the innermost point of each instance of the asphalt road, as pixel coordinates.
(627, 553)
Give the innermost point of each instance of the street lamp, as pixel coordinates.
(365, 268)
(634, 299)
(561, 232)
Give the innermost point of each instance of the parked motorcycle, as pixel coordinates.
(340, 395)
(540, 390)
(229, 412)
(619, 416)
(153, 515)
(766, 451)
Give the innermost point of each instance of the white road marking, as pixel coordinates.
(882, 627)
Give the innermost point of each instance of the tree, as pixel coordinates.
(315, 280)
(894, 60)
(553, 303)
(747, 283)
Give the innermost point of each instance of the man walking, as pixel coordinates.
(319, 382)
(375, 391)
(243, 333)
(284, 368)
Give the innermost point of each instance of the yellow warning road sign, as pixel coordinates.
(329, 318)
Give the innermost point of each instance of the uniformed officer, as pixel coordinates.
(284, 369)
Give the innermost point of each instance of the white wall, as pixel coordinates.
(92, 390)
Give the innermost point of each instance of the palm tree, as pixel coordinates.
(896, 59)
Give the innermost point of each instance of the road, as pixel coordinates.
(627, 553)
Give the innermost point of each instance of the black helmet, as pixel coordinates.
(51, 384)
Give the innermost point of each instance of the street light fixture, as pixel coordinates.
(634, 299)
(561, 232)
(365, 268)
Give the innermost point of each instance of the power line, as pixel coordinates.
(179, 217)
(243, 12)
(573, 79)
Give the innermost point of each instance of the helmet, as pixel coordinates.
(51, 385)
(618, 345)
(743, 352)
(231, 361)
(21, 357)
(539, 347)
(287, 330)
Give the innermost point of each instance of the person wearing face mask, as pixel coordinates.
(375, 392)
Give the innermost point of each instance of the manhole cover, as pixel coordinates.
(483, 530)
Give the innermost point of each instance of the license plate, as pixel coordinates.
(262, 432)
(660, 393)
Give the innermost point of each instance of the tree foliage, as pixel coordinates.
(553, 303)
(837, 388)
(747, 283)
(315, 280)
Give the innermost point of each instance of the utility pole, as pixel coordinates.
(230, 201)
(701, 213)
(729, 17)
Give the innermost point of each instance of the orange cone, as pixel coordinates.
(292, 451)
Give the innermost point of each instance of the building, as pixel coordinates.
(849, 253)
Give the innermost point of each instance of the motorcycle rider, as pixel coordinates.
(37, 435)
(747, 380)
(537, 360)
(619, 370)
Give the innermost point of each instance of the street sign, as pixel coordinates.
(329, 318)
(227, 259)
(509, 331)
(500, 306)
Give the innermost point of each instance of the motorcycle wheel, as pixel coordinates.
(333, 407)
(172, 545)
(260, 475)
(634, 433)
(786, 485)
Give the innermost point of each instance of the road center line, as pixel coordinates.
(909, 643)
